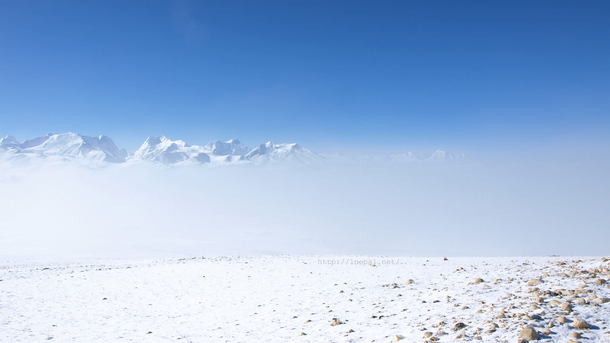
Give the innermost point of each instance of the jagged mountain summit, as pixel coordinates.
(69, 146)
(440, 155)
(162, 149)
(274, 152)
(9, 142)
(231, 147)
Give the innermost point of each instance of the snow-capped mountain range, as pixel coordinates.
(66, 145)
(102, 150)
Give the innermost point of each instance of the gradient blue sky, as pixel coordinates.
(331, 75)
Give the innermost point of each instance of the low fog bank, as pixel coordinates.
(468, 208)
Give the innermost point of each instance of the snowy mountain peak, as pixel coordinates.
(440, 155)
(274, 152)
(230, 147)
(164, 150)
(9, 141)
(70, 146)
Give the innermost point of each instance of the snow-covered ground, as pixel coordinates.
(298, 298)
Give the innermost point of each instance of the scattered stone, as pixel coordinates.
(336, 322)
(562, 320)
(575, 334)
(410, 281)
(546, 332)
(580, 301)
(427, 334)
(350, 331)
(599, 281)
(602, 300)
(478, 280)
(459, 326)
(397, 338)
(529, 334)
(555, 303)
(303, 334)
(566, 308)
(580, 324)
(534, 282)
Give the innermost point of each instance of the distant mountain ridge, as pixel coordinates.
(65, 145)
(162, 150)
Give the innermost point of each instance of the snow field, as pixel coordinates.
(297, 298)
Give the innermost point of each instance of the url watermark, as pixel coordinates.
(358, 262)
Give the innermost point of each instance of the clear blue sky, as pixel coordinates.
(397, 75)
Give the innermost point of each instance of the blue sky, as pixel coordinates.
(331, 75)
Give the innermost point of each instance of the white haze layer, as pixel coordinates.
(467, 208)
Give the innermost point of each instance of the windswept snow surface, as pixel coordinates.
(298, 298)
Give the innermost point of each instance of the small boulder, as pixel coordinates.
(459, 326)
(397, 338)
(580, 301)
(529, 334)
(599, 281)
(562, 320)
(575, 334)
(478, 280)
(534, 282)
(566, 308)
(602, 300)
(580, 324)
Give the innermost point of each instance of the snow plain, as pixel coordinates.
(297, 298)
